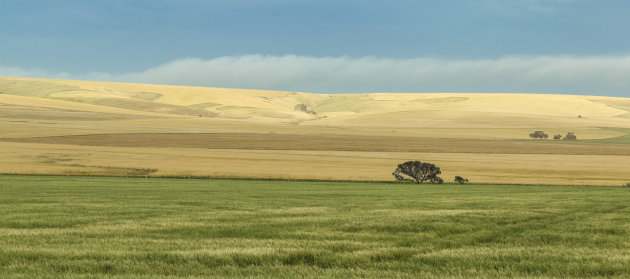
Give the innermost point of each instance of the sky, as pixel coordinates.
(327, 46)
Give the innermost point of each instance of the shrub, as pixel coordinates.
(460, 180)
(303, 108)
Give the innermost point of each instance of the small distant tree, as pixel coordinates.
(418, 172)
(303, 108)
(538, 135)
(570, 136)
(626, 185)
(557, 137)
(460, 180)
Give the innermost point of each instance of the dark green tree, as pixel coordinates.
(460, 180)
(570, 136)
(418, 172)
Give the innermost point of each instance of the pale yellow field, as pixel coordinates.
(41, 108)
(302, 164)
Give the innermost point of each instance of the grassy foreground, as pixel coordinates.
(78, 227)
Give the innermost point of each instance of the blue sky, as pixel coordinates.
(542, 46)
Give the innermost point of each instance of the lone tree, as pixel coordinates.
(570, 136)
(418, 172)
(538, 135)
(460, 180)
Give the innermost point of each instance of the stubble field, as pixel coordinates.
(119, 129)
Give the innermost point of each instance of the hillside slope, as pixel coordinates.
(357, 112)
(84, 127)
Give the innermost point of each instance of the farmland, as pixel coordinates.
(119, 129)
(98, 187)
(82, 227)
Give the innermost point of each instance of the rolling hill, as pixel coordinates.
(83, 127)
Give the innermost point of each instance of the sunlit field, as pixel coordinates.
(64, 127)
(81, 227)
(314, 139)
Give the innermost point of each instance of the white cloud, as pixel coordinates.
(595, 75)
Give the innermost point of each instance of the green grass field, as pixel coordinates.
(81, 227)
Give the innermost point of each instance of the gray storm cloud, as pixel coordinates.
(593, 75)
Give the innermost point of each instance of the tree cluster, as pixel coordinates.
(543, 135)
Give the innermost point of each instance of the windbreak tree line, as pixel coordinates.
(543, 135)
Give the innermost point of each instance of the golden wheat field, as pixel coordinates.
(101, 128)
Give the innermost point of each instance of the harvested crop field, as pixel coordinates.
(276, 141)
(60, 159)
(121, 129)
